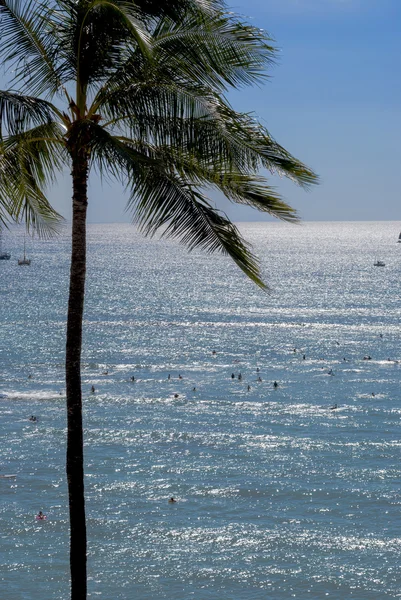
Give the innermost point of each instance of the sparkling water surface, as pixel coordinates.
(279, 497)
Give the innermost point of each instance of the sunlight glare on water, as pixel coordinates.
(279, 496)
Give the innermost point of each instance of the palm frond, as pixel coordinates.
(95, 34)
(19, 113)
(164, 200)
(213, 50)
(28, 46)
(29, 162)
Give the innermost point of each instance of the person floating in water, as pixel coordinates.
(176, 395)
(275, 384)
(179, 376)
(333, 407)
(232, 376)
(257, 369)
(169, 377)
(40, 516)
(93, 389)
(260, 379)
(33, 418)
(240, 376)
(214, 352)
(249, 388)
(133, 378)
(194, 389)
(172, 500)
(304, 357)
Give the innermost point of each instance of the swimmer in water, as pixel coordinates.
(33, 418)
(275, 384)
(169, 376)
(214, 352)
(304, 357)
(249, 388)
(93, 389)
(133, 378)
(172, 500)
(260, 379)
(240, 376)
(40, 516)
(176, 395)
(333, 407)
(232, 376)
(194, 389)
(179, 376)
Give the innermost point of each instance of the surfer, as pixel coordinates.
(275, 384)
(172, 500)
(93, 389)
(333, 407)
(232, 376)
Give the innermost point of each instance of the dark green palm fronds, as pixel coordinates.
(19, 113)
(28, 45)
(29, 162)
(214, 50)
(164, 200)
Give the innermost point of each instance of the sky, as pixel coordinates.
(333, 100)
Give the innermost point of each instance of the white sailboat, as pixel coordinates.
(25, 260)
(3, 255)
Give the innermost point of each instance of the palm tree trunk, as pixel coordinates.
(75, 455)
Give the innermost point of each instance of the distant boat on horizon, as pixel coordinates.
(25, 260)
(3, 255)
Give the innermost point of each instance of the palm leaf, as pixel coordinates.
(19, 113)
(28, 46)
(29, 162)
(164, 200)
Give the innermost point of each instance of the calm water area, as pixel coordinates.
(278, 496)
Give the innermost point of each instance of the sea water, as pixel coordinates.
(279, 495)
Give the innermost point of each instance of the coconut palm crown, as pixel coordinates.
(137, 91)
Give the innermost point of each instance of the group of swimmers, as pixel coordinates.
(259, 379)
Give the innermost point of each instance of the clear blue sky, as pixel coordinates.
(333, 100)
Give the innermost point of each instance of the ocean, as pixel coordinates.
(279, 494)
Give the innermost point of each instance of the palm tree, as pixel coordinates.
(136, 90)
